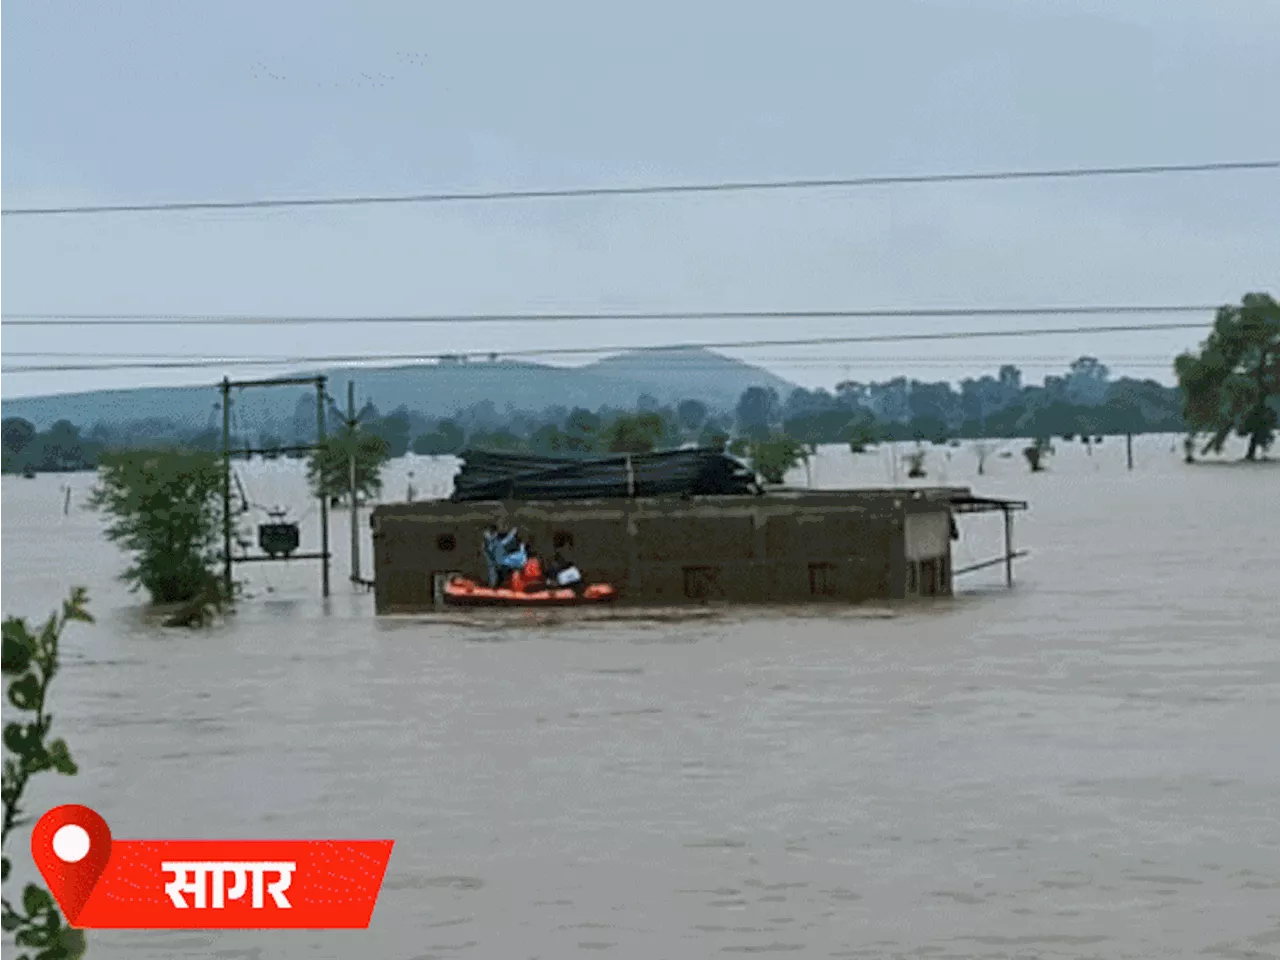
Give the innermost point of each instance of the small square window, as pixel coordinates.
(701, 583)
(822, 579)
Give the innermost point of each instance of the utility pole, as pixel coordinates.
(324, 498)
(288, 530)
(351, 481)
(226, 486)
(1128, 446)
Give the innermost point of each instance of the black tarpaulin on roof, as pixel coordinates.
(697, 472)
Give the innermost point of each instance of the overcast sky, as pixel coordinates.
(135, 102)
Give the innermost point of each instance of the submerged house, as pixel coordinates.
(690, 526)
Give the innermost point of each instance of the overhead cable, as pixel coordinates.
(641, 190)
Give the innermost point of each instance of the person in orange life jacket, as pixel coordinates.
(530, 576)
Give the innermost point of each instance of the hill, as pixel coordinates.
(434, 390)
(674, 373)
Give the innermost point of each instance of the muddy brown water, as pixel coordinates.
(1085, 766)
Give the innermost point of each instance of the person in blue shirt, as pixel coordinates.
(503, 553)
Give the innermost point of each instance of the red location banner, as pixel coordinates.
(101, 883)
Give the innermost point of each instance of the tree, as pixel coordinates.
(713, 439)
(63, 448)
(774, 456)
(757, 411)
(983, 449)
(500, 441)
(915, 462)
(20, 441)
(862, 431)
(548, 440)
(447, 438)
(826, 426)
(691, 415)
(394, 430)
(935, 408)
(928, 428)
(1233, 383)
(165, 508)
(1086, 383)
(428, 445)
(329, 467)
(1035, 454)
(582, 431)
(1142, 406)
(30, 663)
(638, 433)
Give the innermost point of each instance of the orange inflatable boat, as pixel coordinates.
(461, 592)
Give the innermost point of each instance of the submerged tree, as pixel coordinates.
(329, 467)
(1233, 383)
(984, 449)
(166, 509)
(1036, 453)
(774, 456)
(862, 431)
(915, 462)
(30, 663)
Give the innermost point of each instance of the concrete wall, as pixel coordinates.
(782, 547)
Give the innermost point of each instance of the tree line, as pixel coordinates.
(61, 448)
(1083, 401)
(1231, 385)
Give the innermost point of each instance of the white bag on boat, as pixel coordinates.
(568, 576)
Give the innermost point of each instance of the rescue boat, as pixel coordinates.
(462, 592)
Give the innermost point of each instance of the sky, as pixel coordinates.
(115, 103)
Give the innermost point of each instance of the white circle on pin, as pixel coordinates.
(71, 843)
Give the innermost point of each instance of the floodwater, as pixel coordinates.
(1084, 766)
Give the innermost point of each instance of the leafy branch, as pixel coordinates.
(30, 664)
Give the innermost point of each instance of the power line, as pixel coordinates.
(967, 358)
(643, 190)
(170, 319)
(805, 363)
(579, 351)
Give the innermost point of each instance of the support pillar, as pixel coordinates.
(226, 487)
(324, 493)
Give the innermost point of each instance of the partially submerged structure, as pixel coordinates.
(685, 527)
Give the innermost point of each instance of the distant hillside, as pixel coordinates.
(673, 372)
(434, 390)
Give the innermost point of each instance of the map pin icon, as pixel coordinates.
(71, 845)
